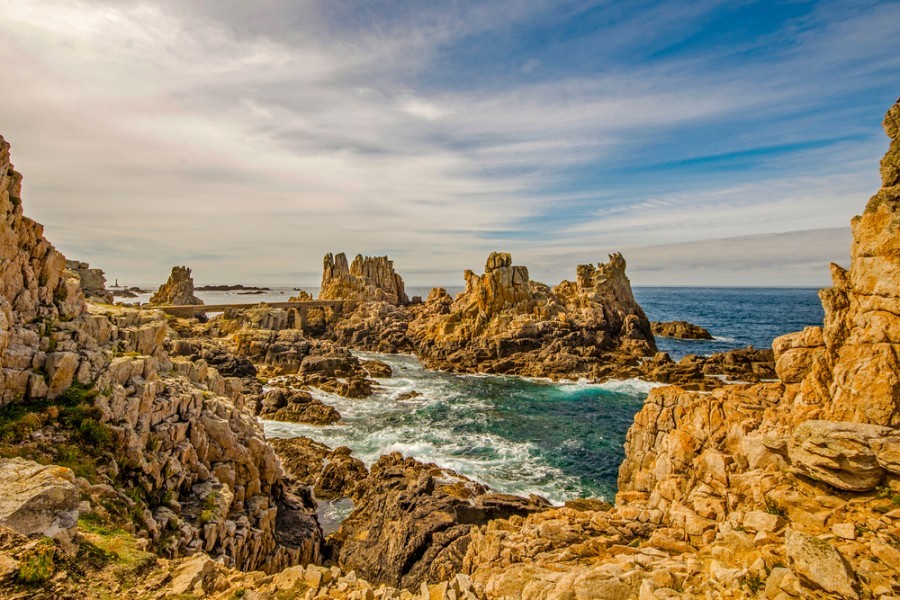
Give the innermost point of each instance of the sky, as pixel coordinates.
(712, 143)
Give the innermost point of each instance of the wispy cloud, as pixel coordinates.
(253, 139)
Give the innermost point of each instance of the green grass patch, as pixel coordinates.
(38, 565)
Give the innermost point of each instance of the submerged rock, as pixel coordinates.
(680, 330)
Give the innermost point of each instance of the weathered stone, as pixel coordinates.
(368, 279)
(819, 564)
(331, 473)
(179, 289)
(837, 453)
(38, 500)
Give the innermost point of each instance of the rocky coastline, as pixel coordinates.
(133, 462)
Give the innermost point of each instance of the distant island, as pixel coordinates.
(232, 288)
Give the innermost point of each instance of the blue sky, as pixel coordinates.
(711, 142)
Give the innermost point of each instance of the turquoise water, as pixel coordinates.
(519, 436)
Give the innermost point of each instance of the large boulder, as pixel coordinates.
(820, 564)
(38, 499)
(838, 453)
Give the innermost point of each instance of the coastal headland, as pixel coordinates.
(134, 462)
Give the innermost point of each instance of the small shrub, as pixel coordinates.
(77, 394)
(207, 516)
(755, 583)
(38, 565)
(773, 509)
(93, 432)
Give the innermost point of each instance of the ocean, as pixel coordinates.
(523, 436)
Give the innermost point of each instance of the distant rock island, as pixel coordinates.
(231, 288)
(134, 464)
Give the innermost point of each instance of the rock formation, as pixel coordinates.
(412, 522)
(784, 490)
(744, 365)
(330, 473)
(295, 406)
(680, 330)
(93, 281)
(178, 290)
(505, 323)
(367, 279)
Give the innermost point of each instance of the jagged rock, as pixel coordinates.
(411, 522)
(820, 564)
(92, 281)
(367, 279)
(505, 323)
(38, 500)
(294, 406)
(179, 289)
(377, 368)
(681, 330)
(331, 473)
(838, 453)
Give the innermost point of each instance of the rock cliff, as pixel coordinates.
(787, 489)
(179, 289)
(367, 279)
(161, 445)
(505, 323)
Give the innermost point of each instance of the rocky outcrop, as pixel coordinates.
(786, 489)
(412, 522)
(295, 406)
(93, 281)
(505, 323)
(681, 330)
(178, 290)
(375, 327)
(330, 473)
(367, 279)
(850, 367)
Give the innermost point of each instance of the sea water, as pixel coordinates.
(522, 436)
